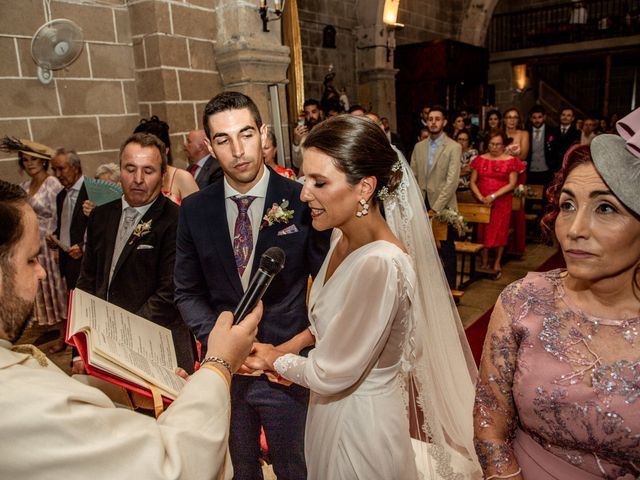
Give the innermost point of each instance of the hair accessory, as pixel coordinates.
(396, 166)
(618, 161)
(383, 193)
(365, 208)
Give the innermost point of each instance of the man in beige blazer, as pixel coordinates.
(435, 162)
(56, 427)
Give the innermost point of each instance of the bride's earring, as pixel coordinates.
(365, 208)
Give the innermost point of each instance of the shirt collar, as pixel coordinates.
(258, 190)
(203, 160)
(438, 140)
(78, 185)
(141, 210)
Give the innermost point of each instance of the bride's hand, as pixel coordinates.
(276, 378)
(257, 360)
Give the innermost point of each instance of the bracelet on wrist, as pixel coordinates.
(219, 361)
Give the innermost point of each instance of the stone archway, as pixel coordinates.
(475, 21)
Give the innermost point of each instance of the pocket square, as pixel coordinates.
(144, 247)
(288, 231)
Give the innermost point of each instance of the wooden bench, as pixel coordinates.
(534, 194)
(473, 212)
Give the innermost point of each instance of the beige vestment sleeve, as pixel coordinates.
(54, 427)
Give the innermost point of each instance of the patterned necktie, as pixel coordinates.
(242, 234)
(193, 168)
(124, 232)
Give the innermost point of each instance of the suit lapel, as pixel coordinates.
(77, 209)
(218, 232)
(132, 243)
(439, 152)
(109, 240)
(276, 192)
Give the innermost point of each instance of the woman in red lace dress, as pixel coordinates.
(493, 177)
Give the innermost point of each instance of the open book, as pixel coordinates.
(121, 347)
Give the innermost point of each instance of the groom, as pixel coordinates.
(222, 234)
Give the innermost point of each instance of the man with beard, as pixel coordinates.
(313, 115)
(56, 427)
(435, 162)
(222, 233)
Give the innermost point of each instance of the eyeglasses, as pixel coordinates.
(512, 117)
(495, 145)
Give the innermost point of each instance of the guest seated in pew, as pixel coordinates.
(557, 395)
(56, 427)
(493, 177)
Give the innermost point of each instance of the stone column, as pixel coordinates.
(376, 75)
(248, 59)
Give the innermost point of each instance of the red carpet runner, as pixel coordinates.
(476, 332)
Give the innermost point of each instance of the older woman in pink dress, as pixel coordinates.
(558, 392)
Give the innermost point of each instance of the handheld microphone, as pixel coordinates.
(271, 263)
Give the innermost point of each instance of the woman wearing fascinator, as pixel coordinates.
(391, 375)
(558, 395)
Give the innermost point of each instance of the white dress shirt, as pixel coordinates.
(256, 212)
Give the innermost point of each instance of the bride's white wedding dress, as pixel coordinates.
(357, 425)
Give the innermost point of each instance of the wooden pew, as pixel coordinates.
(473, 212)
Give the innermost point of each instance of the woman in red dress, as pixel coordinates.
(494, 175)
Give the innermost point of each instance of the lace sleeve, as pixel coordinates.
(291, 367)
(495, 416)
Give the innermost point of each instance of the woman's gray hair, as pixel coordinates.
(111, 169)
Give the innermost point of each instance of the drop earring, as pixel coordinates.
(365, 208)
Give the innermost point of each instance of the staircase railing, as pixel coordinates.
(553, 101)
(564, 23)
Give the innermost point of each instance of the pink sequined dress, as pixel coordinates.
(493, 175)
(558, 389)
(51, 299)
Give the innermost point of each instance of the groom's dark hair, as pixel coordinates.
(229, 101)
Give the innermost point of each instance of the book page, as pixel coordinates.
(135, 343)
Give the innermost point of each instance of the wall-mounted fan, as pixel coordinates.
(55, 45)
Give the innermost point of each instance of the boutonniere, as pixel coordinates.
(551, 137)
(141, 230)
(277, 214)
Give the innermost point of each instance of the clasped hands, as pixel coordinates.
(262, 357)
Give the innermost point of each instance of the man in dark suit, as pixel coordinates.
(542, 161)
(202, 165)
(131, 242)
(569, 134)
(222, 233)
(72, 223)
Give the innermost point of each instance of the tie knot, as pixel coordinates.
(130, 214)
(243, 203)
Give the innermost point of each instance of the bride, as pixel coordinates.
(391, 375)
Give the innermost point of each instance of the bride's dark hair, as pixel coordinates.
(358, 148)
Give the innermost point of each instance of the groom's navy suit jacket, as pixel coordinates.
(207, 281)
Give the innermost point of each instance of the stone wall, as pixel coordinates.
(90, 105)
(426, 20)
(315, 15)
(140, 58)
(173, 45)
